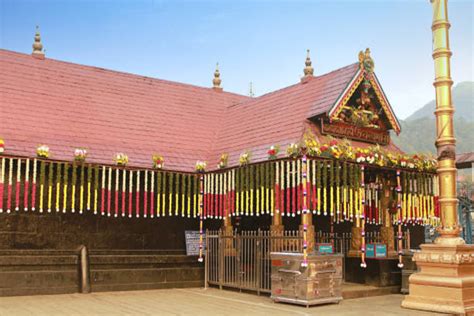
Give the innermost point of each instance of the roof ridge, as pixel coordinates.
(297, 84)
(122, 73)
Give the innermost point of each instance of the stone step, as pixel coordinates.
(38, 260)
(136, 252)
(146, 286)
(39, 279)
(121, 276)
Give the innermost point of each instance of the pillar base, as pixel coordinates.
(445, 283)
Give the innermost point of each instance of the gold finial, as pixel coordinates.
(365, 61)
(217, 79)
(308, 70)
(251, 93)
(38, 46)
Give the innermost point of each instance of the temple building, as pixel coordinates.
(117, 161)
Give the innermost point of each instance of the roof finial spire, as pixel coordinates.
(38, 46)
(308, 70)
(216, 82)
(251, 93)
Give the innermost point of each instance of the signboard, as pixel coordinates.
(380, 251)
(325, 248)
(376, 251)
(370, 250)
(355, 132)
(192, 242)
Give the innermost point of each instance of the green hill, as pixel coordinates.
(419, 130)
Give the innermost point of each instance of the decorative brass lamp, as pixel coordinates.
(445, 282)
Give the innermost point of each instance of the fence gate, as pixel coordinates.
(242, 261)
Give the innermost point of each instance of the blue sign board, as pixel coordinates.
(370, 250)
(325, 248)
(380, 251)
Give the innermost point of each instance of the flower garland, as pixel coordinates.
(50, 186)
(223, 161)
(201, 232)
(81, 190)
(80, 154)
(362, 217)
(65, 184)
(33, 188)
(116, 193)
(137, 196)
(73, 187)
(293, 150)
(42, 151)
(152, 195)
(273, 152)
(158, 161)
(109, 192)
(89, 184)
(2, 181)
(399, 213)
(2, 145)
(42, 183)
(124, 183)
(159, 192)
(121, 159)
(318, 185)
(244, 158)
(96, 188)
(304, 174)
(325, 186)
(18, 181)
(26, 187)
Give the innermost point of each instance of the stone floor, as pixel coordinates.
(189, 302)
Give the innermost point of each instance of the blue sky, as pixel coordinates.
(260, 41)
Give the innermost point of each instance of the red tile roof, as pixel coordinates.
(65, 106)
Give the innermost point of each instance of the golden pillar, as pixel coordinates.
(445, 282)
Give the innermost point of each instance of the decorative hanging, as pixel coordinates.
(273, 152)
(158, 161)
(2, 181)
(362, 216)
(80, 154)
(121, 159)
(399, 213)
(42, 151)
(201, 232)
(304, 174)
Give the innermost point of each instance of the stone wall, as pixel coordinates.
(31, 230)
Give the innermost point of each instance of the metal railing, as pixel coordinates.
(242, 260)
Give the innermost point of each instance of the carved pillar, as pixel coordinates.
(387, 234)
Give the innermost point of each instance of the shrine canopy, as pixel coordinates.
(346, 106)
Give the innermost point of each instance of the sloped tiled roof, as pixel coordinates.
(279, 117)
(66, 105)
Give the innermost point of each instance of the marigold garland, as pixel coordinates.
(65, 185)
(81, 191)
(73, 187)
(33, 187)
(50, 186)
(41, 180)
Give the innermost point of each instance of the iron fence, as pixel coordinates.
(242, 260)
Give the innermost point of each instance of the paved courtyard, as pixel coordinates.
(189, 302)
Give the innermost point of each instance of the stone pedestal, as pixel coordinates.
(445, 282)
